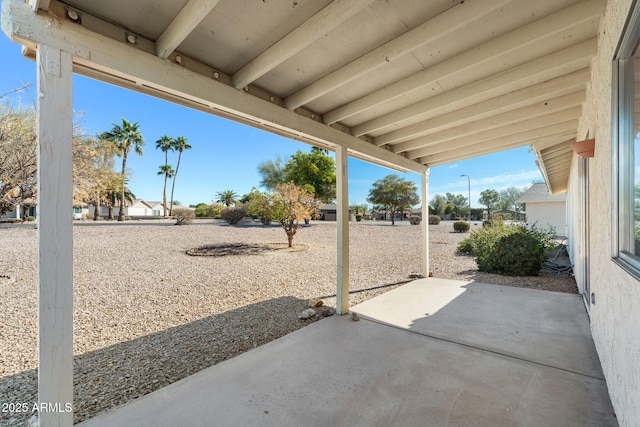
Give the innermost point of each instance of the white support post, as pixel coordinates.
(425, 223)
(55, 236)
(342, 211)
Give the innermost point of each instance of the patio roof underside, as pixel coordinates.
(404, 83)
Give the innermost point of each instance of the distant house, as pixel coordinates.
(138, 209)
(328, 212)
(22, 210)
(544, 209)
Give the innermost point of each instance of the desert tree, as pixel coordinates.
(490, 199)
(394, 193)
(125, 137)
(18, 157)
(290, 205)
(315, 171)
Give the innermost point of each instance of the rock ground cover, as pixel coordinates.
(146, 314)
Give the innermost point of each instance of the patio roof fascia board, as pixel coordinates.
(128, 66)
(556, 182)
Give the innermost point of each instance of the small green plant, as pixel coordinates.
(461, 226)
(31, 218)
(232, 215)
(358, 217)
(183, 216)
(416, 220)
(434, 219)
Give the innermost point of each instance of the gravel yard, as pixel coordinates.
(146, 314)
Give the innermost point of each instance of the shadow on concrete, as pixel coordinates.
(113, 375)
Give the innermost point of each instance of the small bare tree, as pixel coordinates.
(290, 204)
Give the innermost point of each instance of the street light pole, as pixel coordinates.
(469, 180)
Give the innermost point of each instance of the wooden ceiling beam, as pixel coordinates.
(449, 157)
(452, 137)
(432, 30)
(520, 40)
(537, 100)
(576, 58)
(182, 25)
(550, 130)
(319, 24)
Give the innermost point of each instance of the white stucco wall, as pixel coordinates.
(615, 316)
(545, 214)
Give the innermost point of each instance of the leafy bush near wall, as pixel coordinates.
(434, 219)
(416, 220)
(461, 226)
(232, 215)
(513, 250)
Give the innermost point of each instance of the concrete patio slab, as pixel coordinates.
(338, 372)
(540, 326)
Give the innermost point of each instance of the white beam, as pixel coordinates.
(428, 32)
(462, 138)
(55, 235)
(533, 100)
(319, 24)
(487, 54)
(182, 25)
(37, 5)
(562, 105)
(548, 67)
(481, 150)
(563, 128)
(425, 223)
(342, 211)
(129, 67)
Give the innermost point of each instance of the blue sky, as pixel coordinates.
(225, 154)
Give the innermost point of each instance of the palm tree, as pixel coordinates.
(113, 197)
(179, 144)
(125, 137)
(227, 197)
(168, 172)
(165, 143)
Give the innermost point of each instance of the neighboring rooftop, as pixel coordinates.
(540, 193)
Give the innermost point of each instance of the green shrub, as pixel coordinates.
(416, 220)
(358, 217)
(31, 218)
(517, 254)
(183, 216)
(509, 249)
(461, 226)
(232, 215)
(201, 210)
(434, 219)
(465, 247)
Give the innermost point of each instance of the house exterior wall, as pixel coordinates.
(545, 214)
(615, 315)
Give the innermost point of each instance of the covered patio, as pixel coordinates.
(432, 352)
(407, 84)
